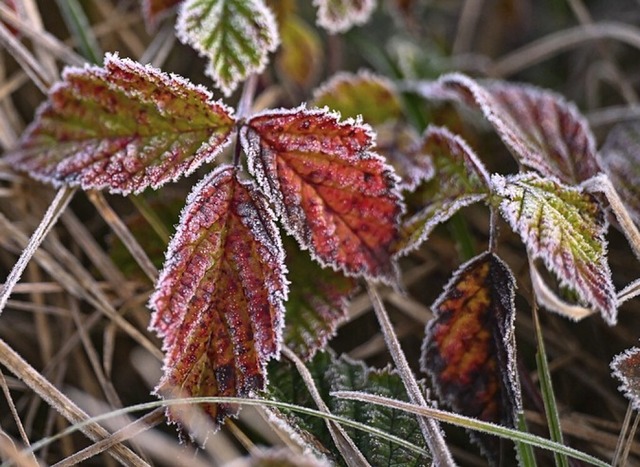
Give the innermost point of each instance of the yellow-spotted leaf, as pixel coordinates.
(469, 347)
(336, 197)
(218, 304)
(565, 227)
(122, 127)
(236, 37)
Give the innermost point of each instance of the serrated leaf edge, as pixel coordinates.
(624, 387)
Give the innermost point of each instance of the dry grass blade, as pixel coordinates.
(57, 207)
(61, 403)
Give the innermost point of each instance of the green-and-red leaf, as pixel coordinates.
(565, 227)
(542, 129)
(235, 35)
(336, 197)
(457, 179)
(219, 301)
(469, 348)
(123, 127)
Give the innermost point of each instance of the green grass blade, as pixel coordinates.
(548, 396)
(80, 29)
(525, 451)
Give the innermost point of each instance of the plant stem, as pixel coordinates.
(430, 428)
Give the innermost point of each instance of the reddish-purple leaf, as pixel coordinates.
(336, 197)
(154, 11)
(469, 347)
(458, 179)
(340, 15)
(565, 227)
(626, 367)
(123, 127)
(317, 304)
(542, 129)
(219, 301)
(620, 157)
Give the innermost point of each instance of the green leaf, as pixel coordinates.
(235, 35)
(372, 96)
(123, 127)
(317, 304)
(564, 227)
(457, 179)
(300, 57)
(336, 374)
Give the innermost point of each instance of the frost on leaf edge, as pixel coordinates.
(358, 18)
(629, 392)
(500, 182)
(271, 26)
(387, 170)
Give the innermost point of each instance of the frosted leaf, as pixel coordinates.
(542, 129)
(343, 374)
(469, 347)
(335, 196)
(154, 11)
(236, 37)
(620, 158)
(123, 127)
(371, 96)
(564, 227)
(458, 179)
(626, 367)
(218, 304)
(341, 15)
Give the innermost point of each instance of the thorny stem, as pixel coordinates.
(56, 208)
(430, 428)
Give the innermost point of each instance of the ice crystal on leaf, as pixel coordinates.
(235, 35)
(543, 130)
(620, 156)
(336, 197)
(469, 347)
(123, 127)
(457, 179)
(566, 228)
(341, 15)
(218, 303)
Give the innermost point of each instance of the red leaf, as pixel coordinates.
(544, 131)
(124, 127)
(154, 11)
(469, 348)
(219, 300)
(337, 198)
